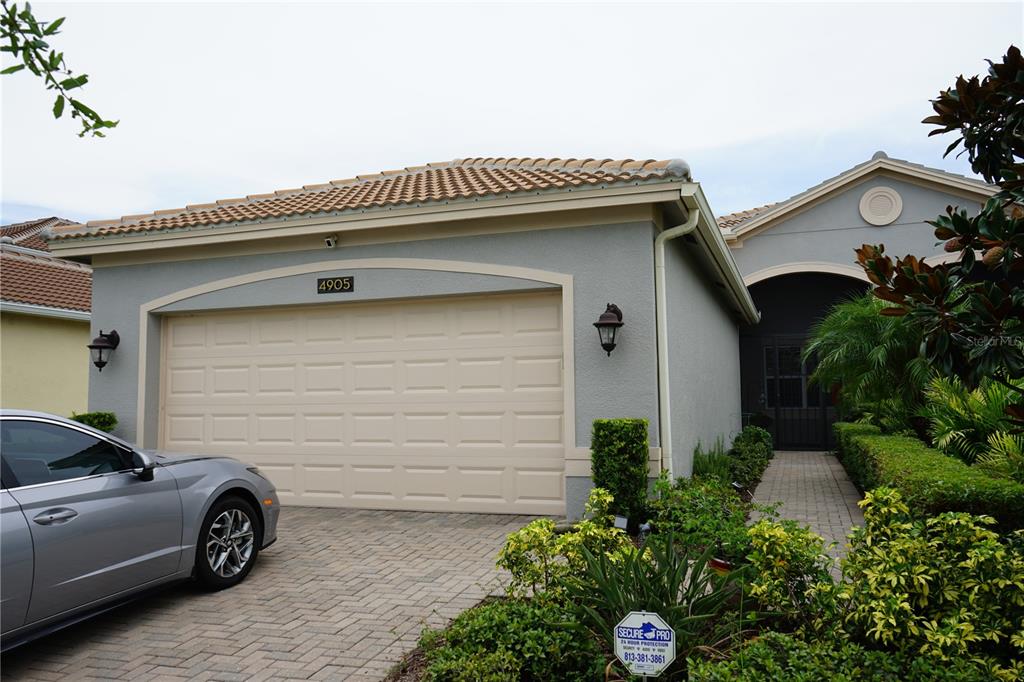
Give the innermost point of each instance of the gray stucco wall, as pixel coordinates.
(830, 231)
(703, 352)
(609, 263)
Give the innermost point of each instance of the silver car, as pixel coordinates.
(88, 521)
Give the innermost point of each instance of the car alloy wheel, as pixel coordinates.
(230, 542)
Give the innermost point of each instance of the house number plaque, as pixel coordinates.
(336, 285)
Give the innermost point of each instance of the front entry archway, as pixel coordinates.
(776, 389)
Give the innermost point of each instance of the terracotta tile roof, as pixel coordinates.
(29, 274)
(461, 179)
(731, 220)
(29, 234)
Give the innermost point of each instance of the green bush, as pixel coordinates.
(947, 586)
(775, 656)
(619, 455)
(702, 513)
(751, 452)
(715, 463)
(696, 601)
(512, 639)
(963, 422)
(789, 562)
(104, 421)
(540, 559)
(929, 481)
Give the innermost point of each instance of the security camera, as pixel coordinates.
(330, 241)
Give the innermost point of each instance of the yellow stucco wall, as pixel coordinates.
(44, 364)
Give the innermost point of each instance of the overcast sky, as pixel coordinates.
(221, 100)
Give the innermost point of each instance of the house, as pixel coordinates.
(424, 338)
(797, 257)
(44, 323)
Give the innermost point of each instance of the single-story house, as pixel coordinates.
(797, 258)
(424, 338)
(44, 323)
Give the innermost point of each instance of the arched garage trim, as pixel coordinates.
(565, 281)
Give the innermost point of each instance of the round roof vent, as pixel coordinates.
(881, 206)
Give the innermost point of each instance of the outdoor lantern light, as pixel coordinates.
(102, 346)
(608, 326)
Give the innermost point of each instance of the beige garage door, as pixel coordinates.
(434, 404)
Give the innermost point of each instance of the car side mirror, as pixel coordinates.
(143, 466)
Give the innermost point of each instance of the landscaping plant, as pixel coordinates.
(870, 363)
(704, 607)
(104, 421)
(968, 423)
(540, 558)
(702, 514)
(751, 452)
(619, 455)
(714, 464)
(508, 640)
(788, 564)
(947, 586)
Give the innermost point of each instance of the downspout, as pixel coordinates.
(661, 323)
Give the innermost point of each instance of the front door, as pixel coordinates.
(97, 529)
(800, 412)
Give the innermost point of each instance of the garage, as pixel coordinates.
(451, 404)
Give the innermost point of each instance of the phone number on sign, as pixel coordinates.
(632, 657)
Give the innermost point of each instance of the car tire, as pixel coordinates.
(229, 542)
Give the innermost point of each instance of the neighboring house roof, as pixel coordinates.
(461, 179)
(737, 225)
(32, 280)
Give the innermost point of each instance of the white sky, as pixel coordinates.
(222, 100)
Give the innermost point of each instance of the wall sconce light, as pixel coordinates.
(608, 326)
(102, 346)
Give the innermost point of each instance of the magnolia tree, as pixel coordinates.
(971, 313)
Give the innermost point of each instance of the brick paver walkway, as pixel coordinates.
(814, 489)
(341, 596)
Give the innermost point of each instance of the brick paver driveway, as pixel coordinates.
(341, 595)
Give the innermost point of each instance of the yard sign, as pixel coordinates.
(645, 643)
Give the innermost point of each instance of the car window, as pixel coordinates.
(38, 452)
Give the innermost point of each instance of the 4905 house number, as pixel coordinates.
(336, 285)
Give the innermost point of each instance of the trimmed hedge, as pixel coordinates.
(751, 452)
(619, 454)
(104, 421)
(930, 481)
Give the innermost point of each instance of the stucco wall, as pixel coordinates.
(608, 263)
(703, 351)
(44, 364)
(831, 230)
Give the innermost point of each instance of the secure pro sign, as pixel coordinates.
(645, 643)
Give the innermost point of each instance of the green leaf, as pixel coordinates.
(12, 69)
(58, 106)
(54, 25)
(74, 82)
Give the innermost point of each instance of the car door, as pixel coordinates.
(97, 528)
(15, 561)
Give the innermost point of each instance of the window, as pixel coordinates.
(38, 452)
(789, 377)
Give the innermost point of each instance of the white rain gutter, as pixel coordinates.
(700, 218)
(661, 323)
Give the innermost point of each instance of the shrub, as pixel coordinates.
(946, 586)
(775, 656)
(512, 640)
(702, 513)
(619, 455)
(751, 452)
(963, 422)
(104, 421)
(929, 481)
(789, 562)
(539, 558)
(698, 603)
(715, 463)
